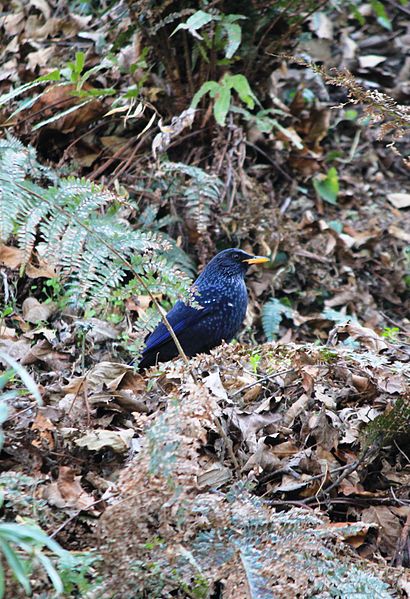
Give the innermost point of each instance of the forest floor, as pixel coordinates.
(316, 419)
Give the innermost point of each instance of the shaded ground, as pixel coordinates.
(290, 420)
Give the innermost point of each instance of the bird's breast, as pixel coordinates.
(225, 309)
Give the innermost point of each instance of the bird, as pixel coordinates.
(221, 298)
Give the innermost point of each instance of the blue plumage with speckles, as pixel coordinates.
(221, 294)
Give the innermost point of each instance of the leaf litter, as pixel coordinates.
(311, 434)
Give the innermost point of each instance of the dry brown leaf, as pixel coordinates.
(7, 333)
(399, 200)
(285, 449)
(250, 424)
(118, 441)
(45, 429)
(363, 335)
(75, 385)
(214, 477)
(358, 538)
(43, 351)
(43, 270)
(14, 23)
(399, 233)
(16, 349)
(295, 409)
(389, 527)
(10, 256)
(40, 58)
(67, 491)
(214, 384)
(108, 374)
(34, 311)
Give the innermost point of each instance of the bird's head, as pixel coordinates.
(232, 262)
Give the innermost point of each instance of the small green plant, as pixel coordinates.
(254, 360)
(327, 186)
(379, 11)
(221, 93)
(327, 355)
(227, 35)
(23, 544)
(81, 230)
(391, 334)
(264, 121)
(75, 75)
(22, 547)
(79, 576)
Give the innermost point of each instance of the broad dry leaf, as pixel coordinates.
(43, 270)
(214, 384)
(44, 352)
(34, 311)
(295, 409)
(16, 349)
(214, 477)
(363, 335)
(10, 256)
(250, 424)
(67, 491)
(399, 200)
(118, 441)
(263, 458)
(389, 527)
(108, 374)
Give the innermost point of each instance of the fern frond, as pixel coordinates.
(272, 313)
(77, 226)
(202, 192)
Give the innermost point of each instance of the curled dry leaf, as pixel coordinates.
(67, 491)
(399, 200)
(168, 133)
(45, 429)
(363, 335)
(10, 256)
(118, 441)
(388, 524)
(214, 477)
(34, 311)
(214, 384)
(109, 374)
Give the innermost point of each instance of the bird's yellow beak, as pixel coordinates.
(257, 260)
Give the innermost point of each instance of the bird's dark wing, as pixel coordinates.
(180, 317)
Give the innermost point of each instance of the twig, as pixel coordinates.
(228, 444)
(100, 170)
(275, 164)
(263, 379)
(128, 264)
(6, 291)
(402, 452)
(396, 324)
(353, 466)
(362, 501)
(77, 513)
(401, 544)
(272, 475)
(118, 171)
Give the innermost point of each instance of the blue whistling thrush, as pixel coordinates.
(221, 294)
